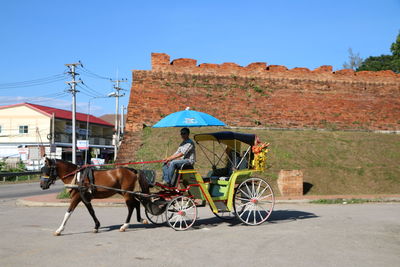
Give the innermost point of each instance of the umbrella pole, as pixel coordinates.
(167, 150)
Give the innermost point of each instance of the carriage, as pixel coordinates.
(229, 188)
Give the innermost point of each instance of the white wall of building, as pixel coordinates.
(11, 119)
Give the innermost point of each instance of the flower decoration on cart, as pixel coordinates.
(260, 151)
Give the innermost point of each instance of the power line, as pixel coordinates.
(93, 91)
(39, 98)
(35, 82)
(88, 94)
(92, 74)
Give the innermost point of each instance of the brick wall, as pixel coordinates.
(290, 183)
(262, 95)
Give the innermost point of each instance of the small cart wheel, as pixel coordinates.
(155, 210)
(156, 219)
(254, 201)
(181, 213)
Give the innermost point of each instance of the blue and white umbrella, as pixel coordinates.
(188, 118)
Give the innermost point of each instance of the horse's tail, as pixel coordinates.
(144, 184)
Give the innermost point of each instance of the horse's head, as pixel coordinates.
(49, 174)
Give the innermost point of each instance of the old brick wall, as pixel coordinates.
(261, 95)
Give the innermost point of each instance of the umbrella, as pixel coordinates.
(188, 118)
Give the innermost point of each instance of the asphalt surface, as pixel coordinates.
(295, 235)
(14, 191)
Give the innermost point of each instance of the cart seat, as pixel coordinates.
(220, 178)
(185, 166)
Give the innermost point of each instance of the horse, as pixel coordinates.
(118, 178)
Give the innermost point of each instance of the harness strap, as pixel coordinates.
(126, 191)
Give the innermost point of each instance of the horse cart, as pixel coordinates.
(229, 188)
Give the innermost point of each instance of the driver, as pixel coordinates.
(186, 154)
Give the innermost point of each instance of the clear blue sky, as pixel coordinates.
(115, 37)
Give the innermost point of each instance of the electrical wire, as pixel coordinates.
(92, 90)
(35, 82)
(87, 92)
(38, 98)
(92, 74)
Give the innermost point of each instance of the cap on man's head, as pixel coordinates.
(185, 131)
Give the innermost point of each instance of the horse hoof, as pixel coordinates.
(56, 233)
(95, 231)
(144, 221)
(122, 229)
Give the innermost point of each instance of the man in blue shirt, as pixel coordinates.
(186, 154)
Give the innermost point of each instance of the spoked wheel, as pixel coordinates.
(181, 213)
(254, 201)
(155, 210)
(156, 219)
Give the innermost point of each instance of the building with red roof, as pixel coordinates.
(26, 130)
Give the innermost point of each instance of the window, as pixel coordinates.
(23, 129)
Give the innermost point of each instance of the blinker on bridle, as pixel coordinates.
(49, 172)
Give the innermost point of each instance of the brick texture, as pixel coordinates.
(261, 95)
(290, 183)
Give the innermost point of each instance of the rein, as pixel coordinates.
(111, 164)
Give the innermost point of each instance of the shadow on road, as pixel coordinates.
(279, 216)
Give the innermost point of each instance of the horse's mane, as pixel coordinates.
(69, 164)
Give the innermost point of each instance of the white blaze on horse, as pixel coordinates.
(121, 179)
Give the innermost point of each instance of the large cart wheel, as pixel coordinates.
(254, 201)
(156, 219)
(181, 213)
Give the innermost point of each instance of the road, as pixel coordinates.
(14, 191)
(296, 235)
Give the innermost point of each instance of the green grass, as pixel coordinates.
(333, 162)
(63, 194)
(21, 179)
(345, 201)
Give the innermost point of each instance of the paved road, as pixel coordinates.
(296, 235)
(14, 191)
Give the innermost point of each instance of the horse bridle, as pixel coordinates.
(51, 170)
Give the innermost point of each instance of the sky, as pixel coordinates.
(112, 38)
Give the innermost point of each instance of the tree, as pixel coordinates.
(355, 61)
(384, 62)
(395, 47)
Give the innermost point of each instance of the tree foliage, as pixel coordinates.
(354, 62)
(384, 62)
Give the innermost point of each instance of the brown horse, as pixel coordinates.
(119, 178)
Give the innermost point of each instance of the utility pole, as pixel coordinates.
(117, 95)
(122, 121)
(87, 124)
(72, 85)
